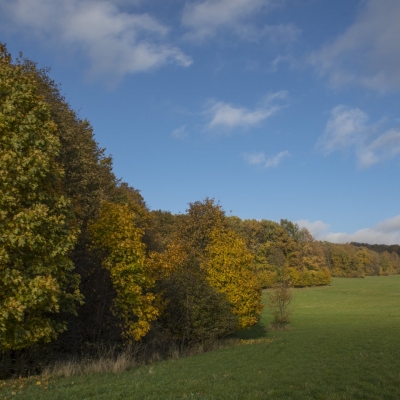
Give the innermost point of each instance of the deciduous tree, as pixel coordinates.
(230, 270)
(116, 236)
(37, 233)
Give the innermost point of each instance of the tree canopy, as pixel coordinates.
(37, 231)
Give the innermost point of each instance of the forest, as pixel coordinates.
(84, 261)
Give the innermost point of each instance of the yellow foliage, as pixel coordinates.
(229, 268)
(266, 277)
(163, 264)
(363, 256)
(115, 234)
(306, 277)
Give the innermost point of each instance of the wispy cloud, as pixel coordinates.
(266, 162)
(116, 43)
(180, 133)
(282, 59)
(385, 232)
(348, 128)
(367, 53)
(225, 116)
(204, 19)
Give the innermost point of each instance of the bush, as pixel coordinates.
(194, 312)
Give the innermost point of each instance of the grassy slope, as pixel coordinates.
(344, 344)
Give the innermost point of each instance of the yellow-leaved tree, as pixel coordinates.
(115, 235)
(229, 269)
(206, 277)
(37, 283)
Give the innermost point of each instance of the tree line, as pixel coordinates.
(357, 260)
(84, 261)
(81, 260)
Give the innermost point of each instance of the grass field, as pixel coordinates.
(344, 343)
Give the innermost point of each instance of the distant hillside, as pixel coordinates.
(379, 248)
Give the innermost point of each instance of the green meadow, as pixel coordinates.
(344, 343)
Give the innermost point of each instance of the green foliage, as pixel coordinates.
(88, 178)
(88, 181)
(36, 229)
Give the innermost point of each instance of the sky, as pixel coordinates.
(275, 108)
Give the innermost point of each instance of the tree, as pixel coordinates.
(88, 182)
(193, 310)
(37, 232)
(115, 235)
(279, 299)
(345, 261)
(209, 284)
(229, 268)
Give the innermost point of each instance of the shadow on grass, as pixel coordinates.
(256, 331)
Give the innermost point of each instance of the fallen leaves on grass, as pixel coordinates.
(12, 387)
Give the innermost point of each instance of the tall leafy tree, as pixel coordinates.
(194, 310)
(37, 233)
(114, 234)
(88, 182)
(210, 287)
(229, 268)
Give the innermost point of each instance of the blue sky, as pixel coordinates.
(276, 108)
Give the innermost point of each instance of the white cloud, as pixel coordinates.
(367, 53)
(386, 146)
(276, 160)
(349, 128)
(316, 228)
(206, 18)
(180, 133)
(345, 127)
(226, 116)
(389, 225)
(115, 42)
(266, 162)
(385, 232)
(255, 158)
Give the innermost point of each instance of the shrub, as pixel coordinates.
(280, 298)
